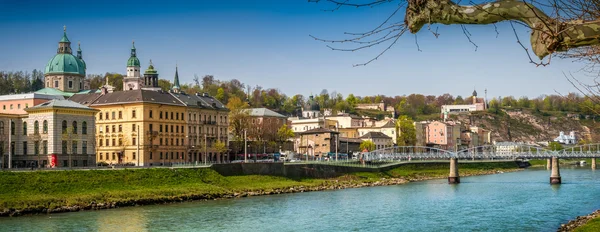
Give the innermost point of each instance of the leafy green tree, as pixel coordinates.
(220, 95)
(555, 146)
(406, 132)
(284, 133)
(367, 145)
(164, 85)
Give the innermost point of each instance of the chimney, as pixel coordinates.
(103, 90)
(205, 94)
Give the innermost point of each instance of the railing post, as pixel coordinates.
(555, 176)
(453, 177)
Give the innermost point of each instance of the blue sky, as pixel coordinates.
(267, 43)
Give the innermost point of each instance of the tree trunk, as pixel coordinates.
(548, 34)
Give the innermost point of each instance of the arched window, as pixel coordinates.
(75, 127)
(36, 127)
(24, 128)
(45, 125)
(64, 126)
(84, 128)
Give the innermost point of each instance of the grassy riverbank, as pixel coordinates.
(45, 191)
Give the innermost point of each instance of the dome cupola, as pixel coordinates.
(64, 62)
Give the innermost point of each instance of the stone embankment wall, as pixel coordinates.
(315, 170)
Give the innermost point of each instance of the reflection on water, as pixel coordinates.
(521, 201)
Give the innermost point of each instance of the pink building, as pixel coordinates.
(443, 135)
(17, 103)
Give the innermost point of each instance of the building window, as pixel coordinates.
(161, 155)
(150, 127)
(12, 128)
(120, 128)
(172, 129)
(24, 128)
(55, 84)
(70, 84)
(74, 127)
(100, 116)
(160, 141)
(133, 127)
(24, 148)
(166, 128)
(45, 147)
(84, 147)
(171, 155)
(160, 128)
(84, 128)
(176, 116)
(36, 147)
(74, 163)
(64, 126)
(107, 143)
(120, 114)
(133, 114)
(114, 129)
(150, 155)
(106, 115)
(100, 157)
(18, 106)
(133, 156)
(120, 142)
(64, 147)
(150, 114)
(1, 128)
(100, 142)
(134, 141)
(113, 156)
(74, 147)
(45, 127)
(171, 113)
(114, 143)
(176, 129)
(160, 115)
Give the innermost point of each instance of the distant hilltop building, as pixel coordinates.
(381, 106)
(477, 104)
(566, 139)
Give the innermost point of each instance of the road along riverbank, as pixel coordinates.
(43, 192)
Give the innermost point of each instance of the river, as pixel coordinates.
(519, 201)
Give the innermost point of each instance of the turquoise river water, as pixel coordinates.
(519, 201)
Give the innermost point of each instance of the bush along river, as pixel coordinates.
(511, 201)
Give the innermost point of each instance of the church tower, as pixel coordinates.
(65, 71)
(176, 88)
(133, 80)
(151, 78)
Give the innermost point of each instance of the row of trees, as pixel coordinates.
(237, 92)
(21, 82)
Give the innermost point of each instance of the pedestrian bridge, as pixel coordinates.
(487, 152)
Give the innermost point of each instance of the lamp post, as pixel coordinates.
(138, 144)
(245, 147)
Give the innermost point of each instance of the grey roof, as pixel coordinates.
(389, 124)
(203, 101)
(319, 130)
(375, 134)
(57, 103)
(32, 95)
(132, 96)
(263, 112)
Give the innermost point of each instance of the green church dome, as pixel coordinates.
(65, 63)
(133, 60)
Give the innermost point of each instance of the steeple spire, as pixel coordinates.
(79, 51)
(176, 86)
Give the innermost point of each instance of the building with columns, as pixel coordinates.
(57, 133)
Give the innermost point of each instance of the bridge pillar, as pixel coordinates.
(555, 176)
(453, 178)
(593, 163)
(549, 164)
